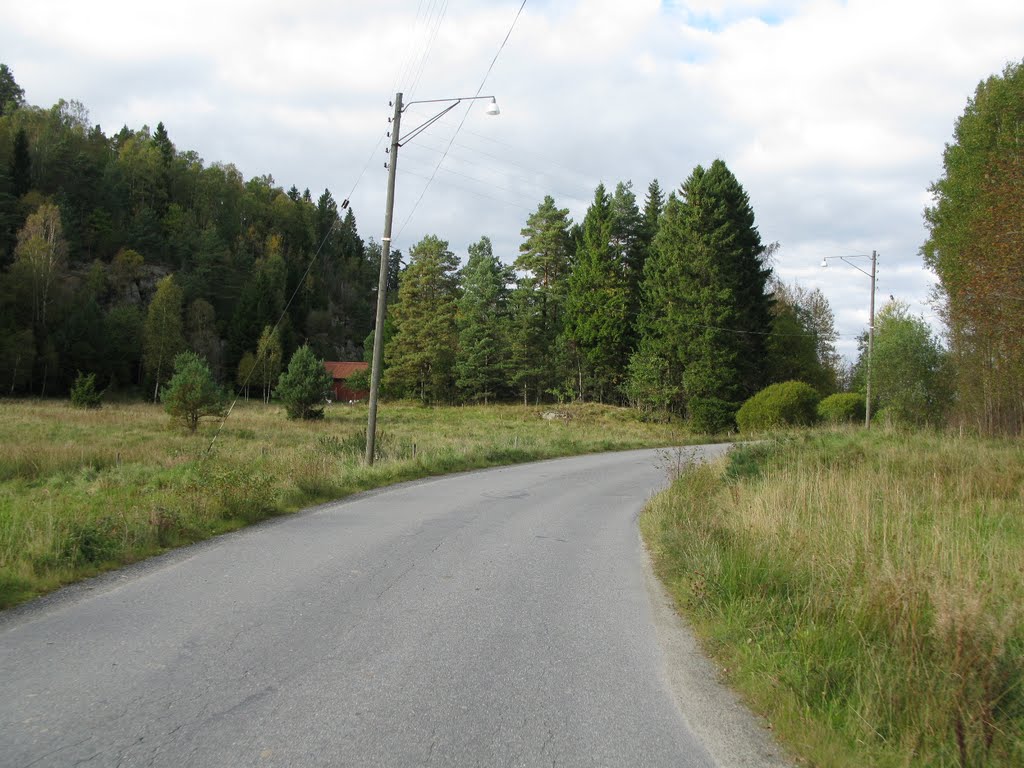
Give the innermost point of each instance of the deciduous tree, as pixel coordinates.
(976, 247)
(268, 361)
(42, 254)
(163, 337)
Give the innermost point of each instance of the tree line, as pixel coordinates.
(670, 306)
(976, 248)
(119, 253)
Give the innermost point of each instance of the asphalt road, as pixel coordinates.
(496, 618)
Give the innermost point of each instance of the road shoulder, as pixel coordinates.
(729, 731)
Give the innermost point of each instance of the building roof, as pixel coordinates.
(344, 370)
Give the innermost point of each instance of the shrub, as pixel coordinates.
(791, 403)
(711, 415)
(192, 393)
(842, 408)
(359, 381)
(305, 385)
(84, 393)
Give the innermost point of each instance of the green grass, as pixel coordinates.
(864, 591)
(83, 491)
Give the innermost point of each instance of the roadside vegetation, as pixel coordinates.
(863, 590)
(83, 490)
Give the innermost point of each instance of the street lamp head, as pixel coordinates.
(824, 262)
(492, 108)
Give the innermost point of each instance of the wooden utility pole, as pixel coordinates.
(382, 284)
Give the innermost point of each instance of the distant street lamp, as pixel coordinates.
(378, 330)
(871, 321)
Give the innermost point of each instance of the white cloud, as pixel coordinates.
(832, 114)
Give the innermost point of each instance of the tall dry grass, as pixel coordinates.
(865, 590)
(85, 490)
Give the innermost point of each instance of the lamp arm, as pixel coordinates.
(423, 126)
(862, 271)
(438, 101)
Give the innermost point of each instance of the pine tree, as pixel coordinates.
(421, 354)
(192, 393)
(304, 387)
(527, 372)
(482, 324)
(546, 255)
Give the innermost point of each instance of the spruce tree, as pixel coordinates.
(21, 164)
(706, 310)
(631, 246)
(597, 303)
(482, 323)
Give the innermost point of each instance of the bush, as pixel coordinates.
(842, 408)
(359, 381)
(791, 403)
(83, 392)
(711, 415)
(192, 393)
(305, 385)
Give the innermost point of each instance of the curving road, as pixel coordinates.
(496, 618)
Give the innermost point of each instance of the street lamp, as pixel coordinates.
(378, 330)
(871, 320)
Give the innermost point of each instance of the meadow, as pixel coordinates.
(83, 491)
(864, 591)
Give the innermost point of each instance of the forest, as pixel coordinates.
(119, 252)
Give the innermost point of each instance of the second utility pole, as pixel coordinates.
(871, 342)
(382, 284)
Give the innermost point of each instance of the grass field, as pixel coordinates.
(82, 491)
(864, 591)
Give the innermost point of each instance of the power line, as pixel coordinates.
(492, 185)
(545, 189)
(330, 230)
(509, 203)
(426, 52)
(545, 158)
(464, 116)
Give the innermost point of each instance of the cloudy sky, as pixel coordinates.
(832, 114)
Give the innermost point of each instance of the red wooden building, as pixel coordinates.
(340, 373)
